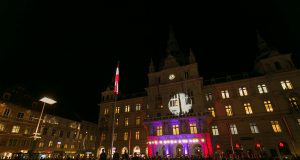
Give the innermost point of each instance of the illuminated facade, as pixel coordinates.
(182, 114)
(60, 137)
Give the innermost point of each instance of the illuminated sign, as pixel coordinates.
(180, 103)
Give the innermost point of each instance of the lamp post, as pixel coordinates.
(36, 135)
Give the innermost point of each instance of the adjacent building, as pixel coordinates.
(60, 137)
(182, 114)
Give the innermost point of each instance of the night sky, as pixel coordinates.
(69, 49)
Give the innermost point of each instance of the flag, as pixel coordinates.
(116, 89)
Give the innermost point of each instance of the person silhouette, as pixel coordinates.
(116, 155)
(102, 155)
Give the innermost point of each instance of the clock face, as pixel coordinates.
(171, 76)
(180, 103)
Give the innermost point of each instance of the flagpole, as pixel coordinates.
(116, 91)
(113, 127)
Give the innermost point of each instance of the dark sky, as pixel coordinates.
(69, 49)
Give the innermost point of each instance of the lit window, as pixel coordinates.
(138, 107)
(254, 128)
(268, 106)
(208, 96)
(174, 101)
(105, 111)
(228, 110)
(72, 146)
(215, 130)
(262, 88)
(286, 85)
(41, 144)
(115, 136)
(50, 144)
(137, 135)
(103, 136)
(1, 127)
(126, 121)
(233, 129)
(125, 136)
(175, 129)
(193, 128)
(225, 94)
(159, 130)
(294, 103)
(298, 121)
(6, 112)
(20, 115)
(65, 145)
(58, 145)
(117, 121)
(243, 91)
(138, 121)
(26, 131)
(276, 126)
(127, 108)
(212, 111)
(91, 138)
(117, 109)
(15, 129)
(248, 108)
(80, 136)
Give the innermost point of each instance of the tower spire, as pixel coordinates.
(151, 66)
(192, 56)
(172, 47)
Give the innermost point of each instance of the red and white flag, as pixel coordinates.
(116, 89)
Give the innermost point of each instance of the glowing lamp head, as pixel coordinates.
(202, 140)
(258, 145)
(47, 100)
(237, 146)
(218, 146)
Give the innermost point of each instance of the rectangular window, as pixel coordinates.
(262, 88)
(186, 75)
(159, 130)
(212, 111)
(268, 106)
(254, 128)
(193, 128)
(215, 130)
(294, 103)
(72, 146)
(126, 121)
(91, 138)
(276, 126)
(137, 135)
(286, 85)
(228, 110)
(127, 108)
(58, 145)
(45, 131)
(189, 97)
(61, 133)
(50, 144)
(41, 144)
(298, 121)
(117, 121)
(6, 112)
(225, 94)
(20, 115)
(117, 110)
(138, 107)
(125, 136)
(1, 127)
(105, 111)
(248, 108)
(15, 129)
(138, 120)
(175, 129)
(53, 132)
(103, 137)
(65, 145)
(208, 96)
(115, 136)
(233, 129)
(243, 91)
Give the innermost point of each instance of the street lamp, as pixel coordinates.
(48, 101)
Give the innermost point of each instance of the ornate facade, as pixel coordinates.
(182, 114)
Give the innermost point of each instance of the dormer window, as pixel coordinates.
(286, 85)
